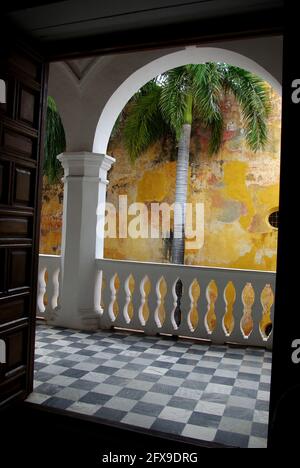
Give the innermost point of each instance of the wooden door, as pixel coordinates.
(21, 140)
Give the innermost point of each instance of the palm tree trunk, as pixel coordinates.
(181, 194)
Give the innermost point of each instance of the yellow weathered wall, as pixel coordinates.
(51, 218)
(239, 189)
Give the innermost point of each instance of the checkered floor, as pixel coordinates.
(213, 393)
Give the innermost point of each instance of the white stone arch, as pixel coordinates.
(190, 55)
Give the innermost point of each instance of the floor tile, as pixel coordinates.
(139, 420)
(197, 432)
(210, 407)
(110, 414)
(164, 425)
(122, 404)
(239, 412)
(95, 398)
(184, 403)
(208, 392)
(131, 393)
(150, 409)
(175, 414)
(236, 426)
(232, 439)
(204, 419)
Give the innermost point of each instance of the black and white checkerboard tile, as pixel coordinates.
(212, 393)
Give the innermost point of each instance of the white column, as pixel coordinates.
(85, 183)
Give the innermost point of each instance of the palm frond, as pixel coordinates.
(144, 124)
(207, 86)
(253, 97)
(174, 90)
(216, 137)
(55, 142)
(119, 123)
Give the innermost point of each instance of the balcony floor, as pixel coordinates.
(212, 393)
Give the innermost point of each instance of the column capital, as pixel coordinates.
(85, 163)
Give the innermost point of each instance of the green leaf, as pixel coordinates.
(173, 100)
(55, 142)
(253, 97)
(144, 124)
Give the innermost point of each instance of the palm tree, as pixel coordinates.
(170, 104)
(55, 142)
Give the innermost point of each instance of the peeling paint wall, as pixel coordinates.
(51, 218)
(239, 189)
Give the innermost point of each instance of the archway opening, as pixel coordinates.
(183, 301)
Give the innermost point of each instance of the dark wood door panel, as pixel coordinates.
(15, 269)
(14, 309)
(24, 186)
(15, 226)
(4, 181)
(16, 341)
(28, 106)
(17, 141)
(12, 388)
(19, 262)
(21, 144)
(3, 269)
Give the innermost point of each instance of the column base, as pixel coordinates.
(84, 319)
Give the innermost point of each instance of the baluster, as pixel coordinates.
(108, 297)
(98, 294)
(189, 311)
(41, 291)
(52, 289)
(170, 302)
(113, 308)
(217, 298)
(173, 315)
(161, 291)
(145, 288)
(128, 308)
(122, 296)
